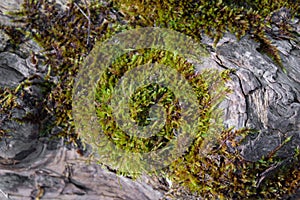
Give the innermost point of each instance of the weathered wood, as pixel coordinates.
(264, 97)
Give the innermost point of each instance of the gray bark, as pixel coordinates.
(263, 98)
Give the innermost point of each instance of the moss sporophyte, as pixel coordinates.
(68, 36)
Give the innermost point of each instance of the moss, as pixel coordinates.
(222, 175)
(154, 94)
(213, 18)
(7, 103)
(65, 40)
(68, 36)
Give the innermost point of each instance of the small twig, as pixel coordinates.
(89, 22)
(272, 170)
(88, 17)
(271, 154)
(4, 194)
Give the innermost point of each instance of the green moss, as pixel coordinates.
(7, 103)
(213, 18)
(152, 94)
(222, 175)
(7, 100)
(67, 37)
(66, 40)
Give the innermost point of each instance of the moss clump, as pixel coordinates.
(7, 103)
(152, 94)
(68, 36)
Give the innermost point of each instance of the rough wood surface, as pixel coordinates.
(264, 98)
